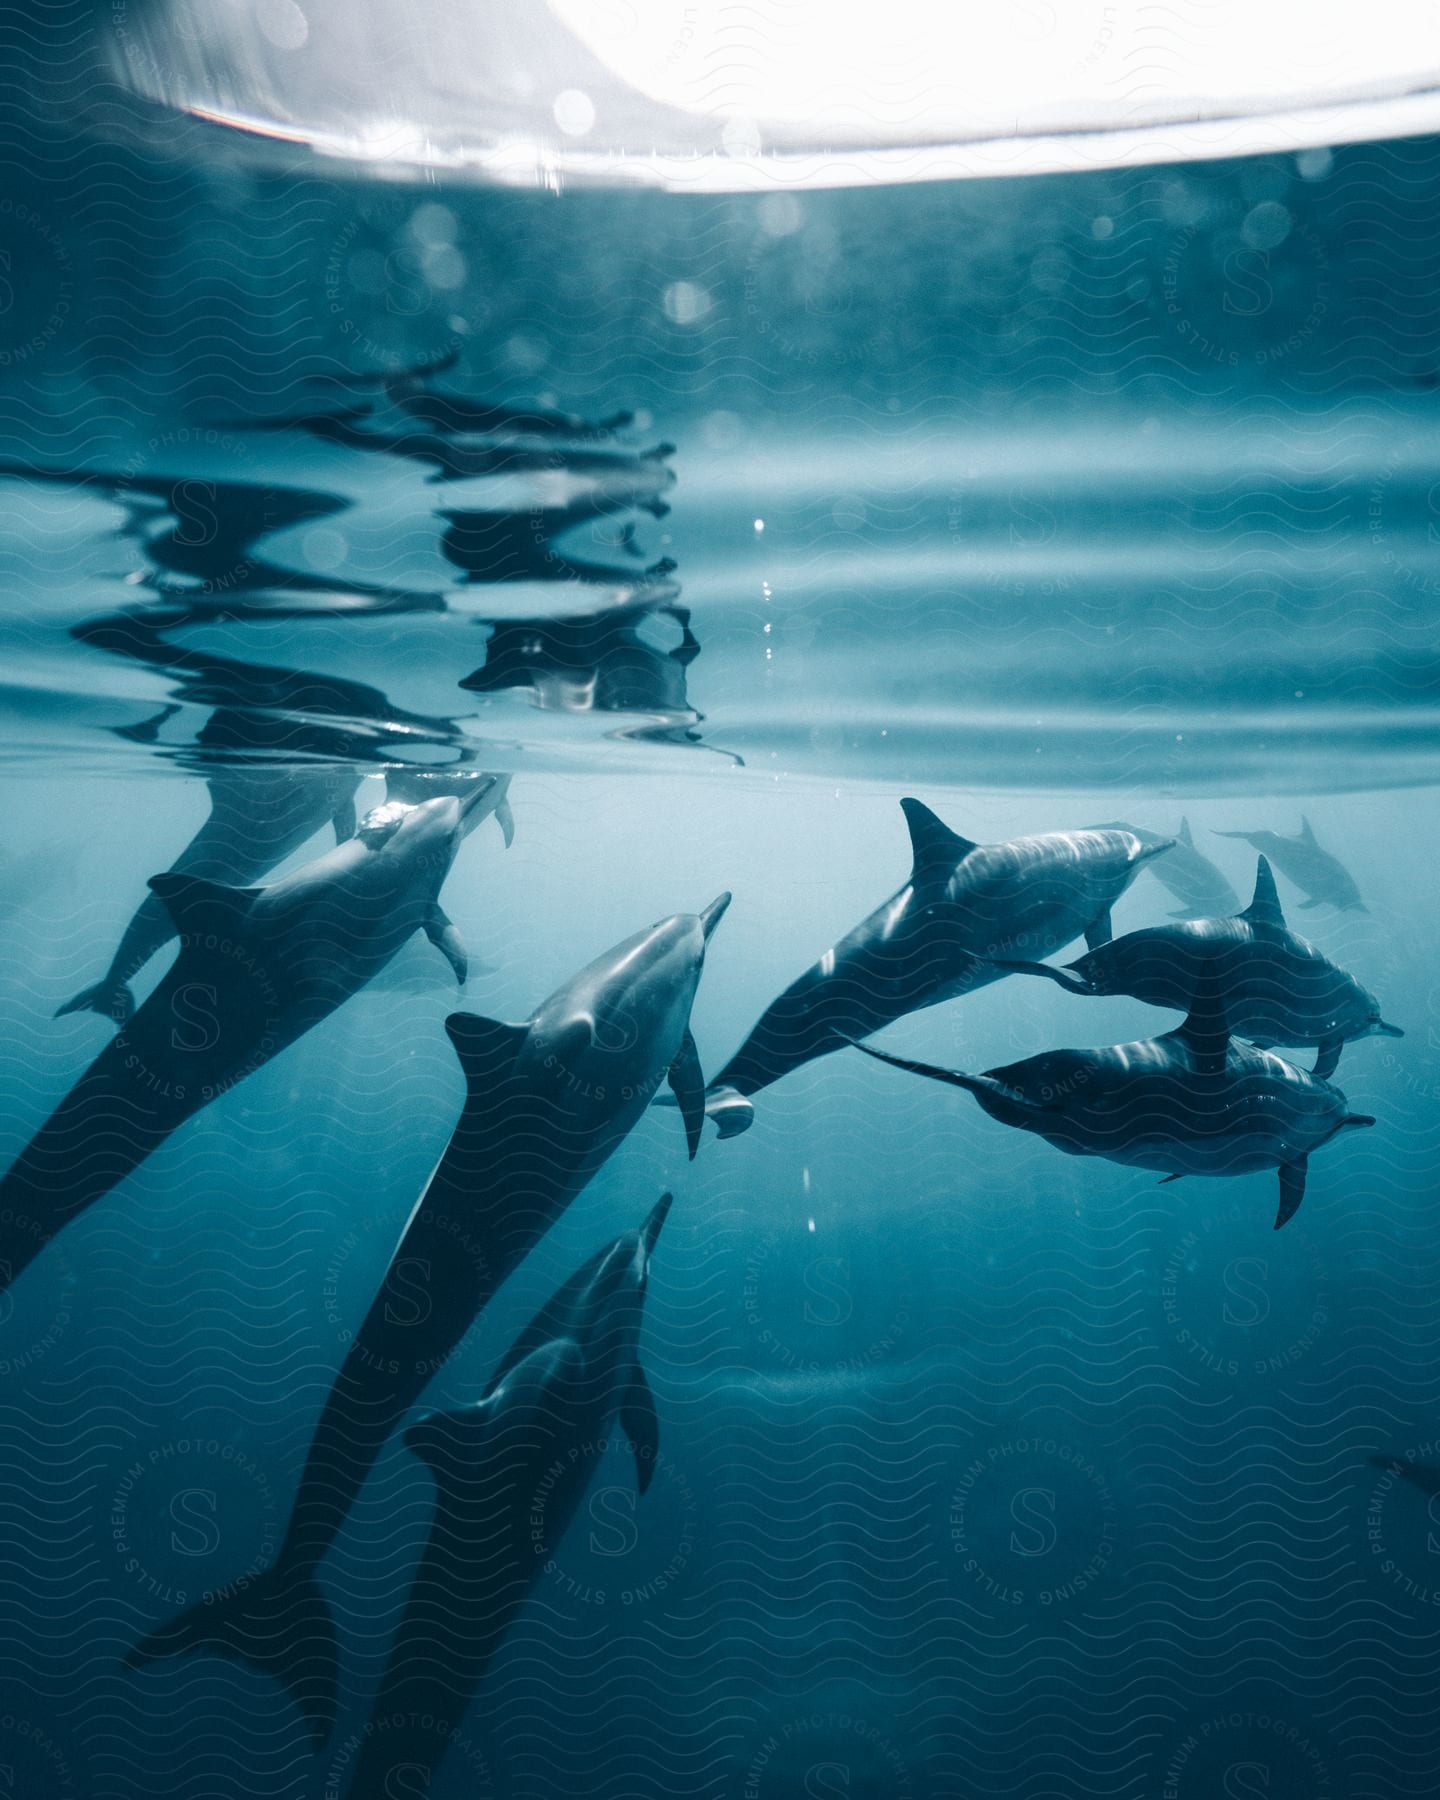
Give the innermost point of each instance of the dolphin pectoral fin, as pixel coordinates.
(936, 849)
(1292, 1190)
(505, 819)
(443, 934)
(1310, 905)
(111, 999)
(1329, 1057)
(687, 1083)
(640, 1422)
(1265, 909)
(1072, 983)
(487, 1048)
(342, 821)
(279, 1624)
(1165, 1180)
(1099, 931)
(192, 902)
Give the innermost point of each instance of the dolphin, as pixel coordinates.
(510, 1473)
(1193, 1102)
(258, 967)
(1277, 987)
(258, 815)
(1322, 876)
(547, 1102)
(482, 796)
(1195, 881)
(964, 905)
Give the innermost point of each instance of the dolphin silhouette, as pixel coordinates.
(1193, 1102)
(1276, 986)
(964, 906)
(258, 967)
(547, 1103)
(510, 1472)
(1195, 881)
(1322, 875)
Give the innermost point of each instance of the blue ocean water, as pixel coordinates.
(983, 1470)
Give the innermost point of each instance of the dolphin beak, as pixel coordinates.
(713, 914)
(650, 1230)
(1382, 1029)
(1158, 848)
(479, 791)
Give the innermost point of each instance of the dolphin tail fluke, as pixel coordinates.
(1066, 978)
(280, 1624)
(1292, 1190)
(111, 999)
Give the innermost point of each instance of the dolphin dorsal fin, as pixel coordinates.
(1265, 909)
(1206, 1030)
(1307, 833)
(1184, 833)
(935, 846)
(487, 1048)
(190, 899)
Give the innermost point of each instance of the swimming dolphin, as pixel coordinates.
(1276, 986)
(547, 1103)
(1323, 877)
(482, 796)
(510, 1473)
(258, 967)
(1193, 1102)
(258, 816)
(1195, 881)
(964, 905)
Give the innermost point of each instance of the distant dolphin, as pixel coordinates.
(1195, 881)
(1194, 1102)
(1277, 988)
(964, 905)
(259, 814)
(258, 967)
(547, 1103)
(1322, 876)
(510, 1474)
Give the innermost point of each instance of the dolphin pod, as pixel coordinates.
(257, 969)
(1196, 1101)
(964, 906)
(510, 1473)
(1315, 870)
(1277, 988)
(547, 1102)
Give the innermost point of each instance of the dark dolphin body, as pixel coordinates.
(1195, 881)
(259, 814)
(258, 967)
(1194, 1102)
(1322, 876)
(547, 1103)
(1277, 988)
(964, 906)
(510, 1473)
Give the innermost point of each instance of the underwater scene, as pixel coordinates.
(720, 978)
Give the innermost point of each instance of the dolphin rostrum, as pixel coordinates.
(1193, 1102)
(1322, 876)
(547, 1102)
(510, 1473)
(1195, 881)
(1277, 988)
(258, 815)
(964, 906)
(258, 967)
